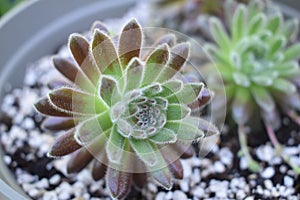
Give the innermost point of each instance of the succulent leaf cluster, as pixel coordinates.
(124, 108)
(258, 59)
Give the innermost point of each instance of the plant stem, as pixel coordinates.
(279, 149)
(253, 165)
(294, 116)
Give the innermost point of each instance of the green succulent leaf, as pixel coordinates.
(164, 136)
(134, 72)
(238, 21)
(291, 29)
(219, 33)
(185, 130)
(155, 63)
(256, 24)
(187, 94)
(284, 86)
(105, 55)
(146, 150)
(91, 128)
(115, 146)
(263, 98)
(292, 52)
(177, 111)
(275, 23)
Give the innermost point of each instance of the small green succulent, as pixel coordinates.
(125, 108)
(259, 62)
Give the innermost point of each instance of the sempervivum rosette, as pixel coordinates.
(125, 110)
(259, 62)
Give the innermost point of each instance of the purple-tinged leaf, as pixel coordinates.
(79, 47)
(99, 25)
(183, 151)
(202, 100)
(179, 55)
(118, 183)
(57, 84)
(71, 72)
(78, 102)
(66, 68)
(105, 54)
(58, 123)
(169, 39)
(109, 90)
(79, 160)
(98, 170)
(163, 177)
(45, 107)
(140, 179)
(156, 63)
(64, 145)
(130, 42)
(176, 168)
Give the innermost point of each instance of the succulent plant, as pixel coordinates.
(258, 59)
(125, 108)
(185, 15)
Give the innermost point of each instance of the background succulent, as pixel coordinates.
(124, 108)
(186, 15)
(258, 60)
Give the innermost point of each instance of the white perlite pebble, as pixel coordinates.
(85, 177)
(160, 196)
(265, 153)
(240, 194)
(184, 185)
(43, 183)
(179, 195)
(50, 196)
(288, 181)
(152, 187)
(226, 156)
(198, 192)
(219, 167)
(268, 172)
(54, 180)
(187, 169)
(169, 195)
(268, 184)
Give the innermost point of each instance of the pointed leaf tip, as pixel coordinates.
(64, 145)
(130, 42)
(118, 183)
